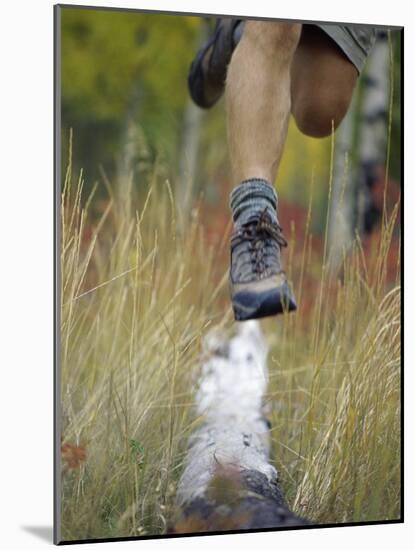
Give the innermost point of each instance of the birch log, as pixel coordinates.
(228, 482)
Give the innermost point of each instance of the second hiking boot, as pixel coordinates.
(209, 69)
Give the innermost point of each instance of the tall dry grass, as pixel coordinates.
(139, 291)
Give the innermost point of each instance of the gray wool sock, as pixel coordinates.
(250, 198)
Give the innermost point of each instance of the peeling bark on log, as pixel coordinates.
(228, 482)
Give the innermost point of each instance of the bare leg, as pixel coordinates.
(322, 83)
(258, 98)
(260, 95)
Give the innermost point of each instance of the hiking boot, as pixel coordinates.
(208, 71)
(259, 287)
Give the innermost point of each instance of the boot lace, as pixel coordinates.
(258, 230)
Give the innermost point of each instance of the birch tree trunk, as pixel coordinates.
(228, 482)
(341, 227)
(358, 154)
(373, 132)
(190, 147)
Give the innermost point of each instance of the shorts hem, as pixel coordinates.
(348, 45)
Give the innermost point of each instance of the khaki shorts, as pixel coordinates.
(354, 40)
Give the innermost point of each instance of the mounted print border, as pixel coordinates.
(185, 406)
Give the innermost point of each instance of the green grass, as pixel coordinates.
(138, 295)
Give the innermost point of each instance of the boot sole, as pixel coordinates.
(196, 77)
(247, 305)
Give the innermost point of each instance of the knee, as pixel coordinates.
(317, 116)
(274, 37)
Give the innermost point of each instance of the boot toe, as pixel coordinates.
(250, 304)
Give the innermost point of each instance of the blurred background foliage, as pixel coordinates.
(121, 66)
